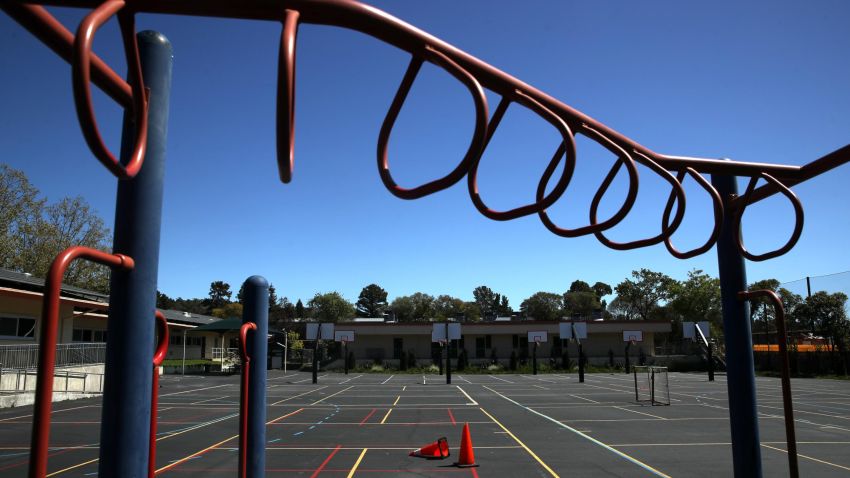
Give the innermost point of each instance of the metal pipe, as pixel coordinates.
(138, 212)
(782, 340)
(256, 312)
(47, 347)
(244, 395)
(158, 357)
(743, 415)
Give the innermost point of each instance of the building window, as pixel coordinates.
(398, 348)
(19, 327)
(480, 346)
(88, 335)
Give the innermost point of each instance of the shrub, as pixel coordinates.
(411, 359)
(513, 363)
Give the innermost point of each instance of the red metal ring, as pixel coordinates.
(243, 339)
(476, 145)
(718, 216)
(798, 219)
(286, 97)
(81, 77)
(666, 230)
(567, 148)
(622, 158)
(47, 345)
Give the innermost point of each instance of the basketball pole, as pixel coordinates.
(448, 357)
(126, 414)
(740, 375)
(534, 359)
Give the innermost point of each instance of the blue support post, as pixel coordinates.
(740, 375)
(125, 422)
(256, 310)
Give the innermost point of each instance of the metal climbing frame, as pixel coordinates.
(138, 96)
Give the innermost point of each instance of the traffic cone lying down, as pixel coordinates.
(467, 456)
(435, 451)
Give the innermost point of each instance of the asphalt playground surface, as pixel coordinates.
(365, 425)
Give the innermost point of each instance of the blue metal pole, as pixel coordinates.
(125, 424)
(740, 375)
(257, 311)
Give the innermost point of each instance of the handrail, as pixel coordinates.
(158, 357)
(47, 346)
(475, 74)
(243, 397)
(782, 338)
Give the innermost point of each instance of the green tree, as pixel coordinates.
(299, 309)
(226, 311)
(331, 307)
(219, 294)
(372, 301)
(403, 308)
(621, 310)
(602, 289)
(20, 210)
(696, 299)
(446, 307)
(643, 294)
(471, 312)
(163, 301)
(423, 306)
(542, 306)
(580, 286)
(580, 303)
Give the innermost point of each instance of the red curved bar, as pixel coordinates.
(286, 97)
(47, 346)
(476, 146)
(798, 219)
(243, 399)
(567, 148)
(717, 204)
(782, 339)
(622, 158)
(158, 357)
(81, 76)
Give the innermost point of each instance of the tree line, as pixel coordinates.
(34, 231)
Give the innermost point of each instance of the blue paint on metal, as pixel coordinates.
(125, 426)
(256, 295)
(740, 376)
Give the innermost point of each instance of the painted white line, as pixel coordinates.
(471, 401)
(585, 436)
(640, 413)
(387, 380)
(497, 378)
(193, 390)
(331, 395)
(350, 379)
(299, 395)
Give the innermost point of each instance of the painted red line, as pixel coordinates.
(322, 466)
(49, 455)
(368, 416)
(451, 416)
(474, 473)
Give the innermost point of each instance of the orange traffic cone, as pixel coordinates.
(435, 451)
(467, 456)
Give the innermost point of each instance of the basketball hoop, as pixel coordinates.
(537, 341)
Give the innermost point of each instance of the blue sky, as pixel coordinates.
(751, 81)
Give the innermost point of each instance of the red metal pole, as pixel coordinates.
(243, 399)
(158, 357)
(790, 434)
(47, 346)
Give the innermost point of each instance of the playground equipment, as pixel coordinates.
(145, 96)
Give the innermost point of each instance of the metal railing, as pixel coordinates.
(25, 356)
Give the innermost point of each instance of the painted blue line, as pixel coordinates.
(298, 433)
(276, 439)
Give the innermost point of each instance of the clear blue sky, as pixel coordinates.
(752, 81)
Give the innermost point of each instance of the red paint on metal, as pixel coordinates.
(324, 463)
(243, 399)
(475, 74)
(47, 346)
(158, 357)
(782, 339)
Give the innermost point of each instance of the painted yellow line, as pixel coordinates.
(806, 457)
(189, 457)
(396, 400)
(386, 416)
(585, 436)
(533, 455)
(331, 395)
(73, 467)
(296, 396)
(357, 463)
(183, 460)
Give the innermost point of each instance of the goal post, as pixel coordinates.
(652, 385)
